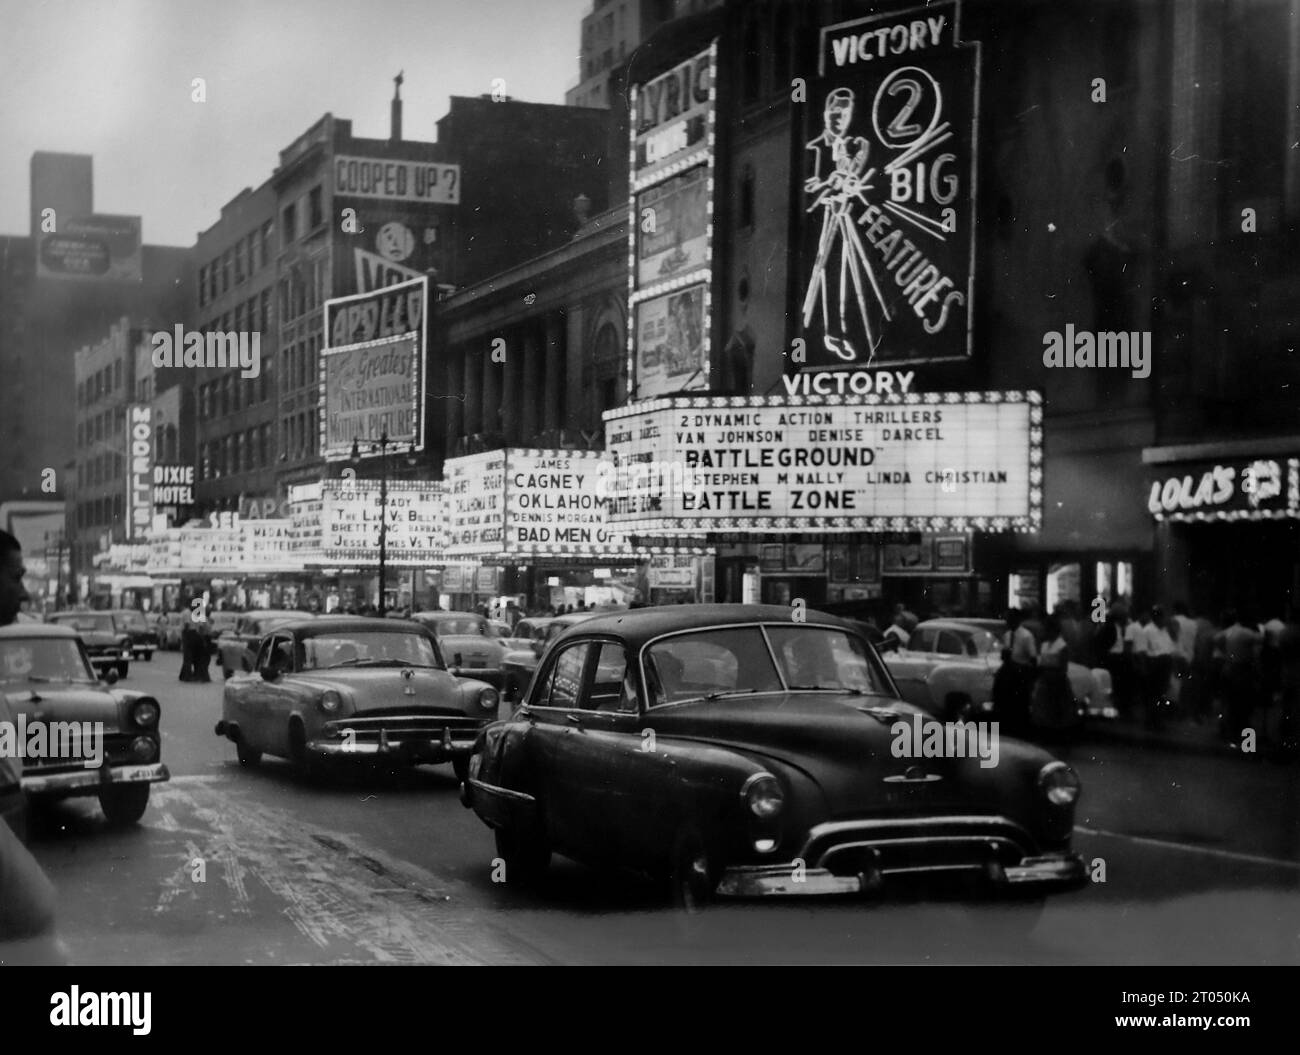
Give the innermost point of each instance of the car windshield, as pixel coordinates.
(43, 659)
(738, 661)
(981, 643)
(462, 626)
(366, 648)
(88, 624)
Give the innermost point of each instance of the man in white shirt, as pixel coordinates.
(1158, 650)
(898, 630)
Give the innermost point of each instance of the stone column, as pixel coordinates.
(492, 386)
(530, 383)
(454, 389)
(472, 372)
(513, 399)
(554, 380)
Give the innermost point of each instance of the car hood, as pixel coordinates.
(99, 638)
(845, 744)
(63, 703)
(383, 688)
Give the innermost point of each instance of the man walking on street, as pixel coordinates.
(1158, 647)
(1240, 645)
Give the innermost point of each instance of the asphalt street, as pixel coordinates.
(1200, 857)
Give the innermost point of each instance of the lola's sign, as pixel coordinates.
(1257, 489)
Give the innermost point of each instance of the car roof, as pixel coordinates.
(334, 624)
(436, 614)
(961, 624)
(36, 630)
(638, 625)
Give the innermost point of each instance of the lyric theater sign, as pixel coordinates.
(372, 369)
(351, 514)
(886, 246)
(941, 461)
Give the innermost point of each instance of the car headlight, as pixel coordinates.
(330, 701)
(1059, 783)
(763, 795)
(145, 713)
(488, 699)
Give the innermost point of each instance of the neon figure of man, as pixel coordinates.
(839, 179)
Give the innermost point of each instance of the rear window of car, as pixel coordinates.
(468, 626)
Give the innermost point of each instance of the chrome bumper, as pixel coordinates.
(91, 781)
(404, 744)
(1047, 873)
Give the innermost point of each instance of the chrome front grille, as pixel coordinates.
(917, 845)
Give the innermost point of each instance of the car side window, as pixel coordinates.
(563, 682)
(264, 654)
(613, 685)
(281, 656)
(949, 644)
(922, 640)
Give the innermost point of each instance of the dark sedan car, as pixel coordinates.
(107, 643)
(144, 637)
(735, 751)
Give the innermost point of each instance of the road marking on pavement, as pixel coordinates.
(1227, 855)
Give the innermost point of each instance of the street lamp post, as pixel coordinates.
(382, 447)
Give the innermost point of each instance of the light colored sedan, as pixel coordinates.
(949, 665)
(352, 689)
(237, 645)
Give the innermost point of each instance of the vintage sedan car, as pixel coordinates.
(532, 636)
(144, 639)
(949, 665)
(79, 736)
(354, 688)
(237, 646)
(468, 642)
(107, 644)
(733, 751)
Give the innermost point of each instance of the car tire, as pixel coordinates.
(460, 766)
(122, 669)
(526, 855)
(692, 872)
(248, 756)
(125, 805)
(309, 767)
(959, 708)
(148, 657)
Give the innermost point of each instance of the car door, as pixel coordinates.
(268, 700)
(910, 666)
(561, 748)
(624, 768)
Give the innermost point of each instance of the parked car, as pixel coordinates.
(344, 688)
(47, 678)
(524, 650)
(144, 640)
(468, 642)
(949, 665)
(237, 645)
(107, 643)
(733, 751)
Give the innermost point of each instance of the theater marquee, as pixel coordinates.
(939, 461)
(886, 169)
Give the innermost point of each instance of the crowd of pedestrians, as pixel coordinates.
(1239, 673)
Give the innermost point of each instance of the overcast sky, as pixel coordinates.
(113, 78)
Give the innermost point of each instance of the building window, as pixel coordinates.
(287, 219)
(316, 207)
(203, 284)
(226, 263)
(1254, 138)
(745, 199)
(751, 64)
(241, 261)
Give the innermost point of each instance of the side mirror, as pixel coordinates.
(270, 673)
(109, 676)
